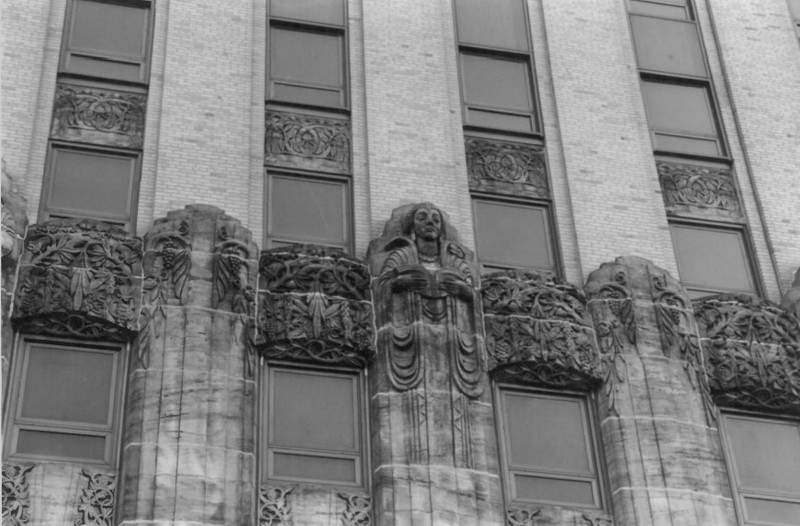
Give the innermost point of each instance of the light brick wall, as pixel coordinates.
(761, 57)
(612, 183)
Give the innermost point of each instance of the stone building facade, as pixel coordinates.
(359, 262)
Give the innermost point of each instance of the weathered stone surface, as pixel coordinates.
(504, 167)
(699, 191)
(791, 300)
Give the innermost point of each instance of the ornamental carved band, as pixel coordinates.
(698, 186)
(314, 308)
(537, 331)
(751, 349)
(358, 511)
(16, 504)
(506, 168)
(307, 142)
(273, 506)
(105, 116)
(96, 506)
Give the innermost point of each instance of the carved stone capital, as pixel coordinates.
(692, 189)
(504, 167)
(304, 141)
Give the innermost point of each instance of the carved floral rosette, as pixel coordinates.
(79, 278)
(507, 168)
(690, 188)
(751, 349)
(314, 308)
(537, 331)
(304, 141)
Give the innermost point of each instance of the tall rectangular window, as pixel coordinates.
(763, 457)
(65, 402)
(548, 448)
(314, 426)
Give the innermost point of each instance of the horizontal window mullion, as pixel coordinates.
(285, 23)
(776, 495)
(494, 52)
(59, 426)
(315, 452)
(117, 59)
(552, 473)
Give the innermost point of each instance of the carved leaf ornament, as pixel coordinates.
(16, 504)
(273, 506)
(700, 186)
(96, 506)
(101, 110)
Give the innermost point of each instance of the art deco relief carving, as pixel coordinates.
(752, 353)
(505, 167)
(302, 140)
(425, 283)
(300, 270)
(698, 186)
(110, 116)
(273, 506)
(522, 516)
(536, 331)
(593, 519)
(358, 511)
(96, 506)
(16, 504)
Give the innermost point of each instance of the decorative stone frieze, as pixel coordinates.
(79, 268)
(96, 506)
(304, 141)
(99, 116)
(16, 500)
(507, 168)
(597, 519)
(688, 188)
(358, 510)
(273, 506)
(522, 516)
(537, 331)
(751, 349)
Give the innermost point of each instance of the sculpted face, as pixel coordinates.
(428, 224)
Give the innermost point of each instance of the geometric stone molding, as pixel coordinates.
(506, 168)
(358, 511)
(16, 504)
(99, 116)
(96, 506)
(751, 349)
(314, 308)
(79, 269)
(308, 142)
(537, 331)
(273, 506)
(692, 189)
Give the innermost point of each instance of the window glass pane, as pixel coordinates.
(546, 433)
(513, 235)
(61, 445)
(307, 209)
(554, 490)
(91, 183)
(712, 258)
(314, 468)
(104, 68)
(68, 385)
(496, 82)
(679, 109)
(307, 95)
(772, 511)
(502, 121)
(694, 145)
(668, 45)
(306, 57)
(673, 10)
(767, 454)
(314, 411)
(321, 11)
(109, 29)
(496, 23)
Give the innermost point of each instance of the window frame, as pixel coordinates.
(14, 422)
(550, 229)
(67, 52)
(266, 450)
(592, 442)
(298, 25)
(730, 460)
(45, 213)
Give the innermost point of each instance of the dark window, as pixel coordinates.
(306, 58)
(307, 210)
(107, 39)
(513, 235)
(548, 449)
(91, 183)
(314, 426)
(764, 460)
(64, 401)
(678, 9)
(712, 259)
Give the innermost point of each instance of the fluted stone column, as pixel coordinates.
(434, 445)
(188, 446)
(662, 447)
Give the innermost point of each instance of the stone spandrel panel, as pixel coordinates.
(309, 142)
(751, 349)
(703, 192)
(502, 167)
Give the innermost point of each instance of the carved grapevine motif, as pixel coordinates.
(525, 293)
(700, 186)
(100, 110)
(333, 275)
(358, 511)
(519, 167)
(16, 507)
(96, 506)
(273, 506)
(307, 137)
(71, 325)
